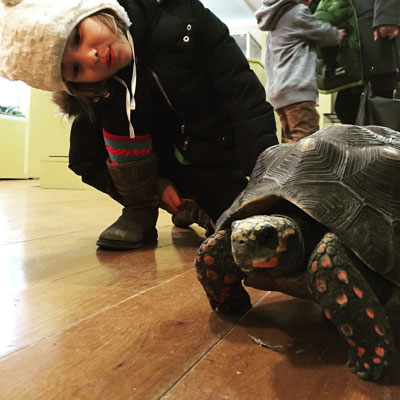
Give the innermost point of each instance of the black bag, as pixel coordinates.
(376, 110)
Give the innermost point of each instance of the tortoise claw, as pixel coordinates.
(366, 368)
(362, 375)
(352, 366)
(234, 307)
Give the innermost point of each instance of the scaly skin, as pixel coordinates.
(352, 306)
(220, 276)
(333, 281)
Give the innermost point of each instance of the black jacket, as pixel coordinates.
(380, 56)
(214, 94)
(360, 56)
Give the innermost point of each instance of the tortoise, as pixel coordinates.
(320, 220)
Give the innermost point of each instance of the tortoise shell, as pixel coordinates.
(347, 178)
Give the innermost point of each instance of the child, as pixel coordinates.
(168, 95)
(290, 62)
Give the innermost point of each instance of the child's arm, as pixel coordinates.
(319, 32)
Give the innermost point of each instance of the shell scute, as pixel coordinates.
(345, 177)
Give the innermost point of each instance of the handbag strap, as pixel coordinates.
(366, 92)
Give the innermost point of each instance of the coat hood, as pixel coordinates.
(271, 11)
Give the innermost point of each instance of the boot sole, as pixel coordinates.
(108, 244)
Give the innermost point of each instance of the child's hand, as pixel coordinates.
(169, 197)
(342, 34)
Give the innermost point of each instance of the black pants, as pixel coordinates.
(348, 100)
(213, 187)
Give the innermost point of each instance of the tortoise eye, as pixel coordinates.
(267, 237)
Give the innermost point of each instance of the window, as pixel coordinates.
(14, 95)
(250, 47)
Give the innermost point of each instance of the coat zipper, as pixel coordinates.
(168, 100)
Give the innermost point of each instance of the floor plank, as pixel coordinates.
(136, 349)
(83, 323)
(309, 363)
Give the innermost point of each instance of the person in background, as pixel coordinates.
(164, 103)
(378, 27)
(290, 62)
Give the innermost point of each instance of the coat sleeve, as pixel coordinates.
(242, 93)
(386, 12)
(88, 155)
(310, 28)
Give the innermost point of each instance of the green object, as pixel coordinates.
(181, 159)
(339, 67)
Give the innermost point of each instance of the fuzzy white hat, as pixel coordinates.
(33, 35)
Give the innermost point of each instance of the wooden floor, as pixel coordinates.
(81, 323)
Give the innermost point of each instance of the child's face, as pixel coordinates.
(94, 53)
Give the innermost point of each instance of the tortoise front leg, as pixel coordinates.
(220, 276)
(350, 303)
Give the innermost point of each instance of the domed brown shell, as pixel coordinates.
(347, 178)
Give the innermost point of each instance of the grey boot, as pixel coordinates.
(135, 181)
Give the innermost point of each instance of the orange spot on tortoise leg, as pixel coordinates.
(358, 292)
(370, 313)
(230, 278)
(314, 266)
(361, 351)
(212, 274)
(212, 242)
(380, 351)
(219, 235)
(379, 330)
(326, 262)
(342, 300)
(342, 276)
(321, 249)
(209, 260)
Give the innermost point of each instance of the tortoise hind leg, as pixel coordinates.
(220, 276)
(350, 304)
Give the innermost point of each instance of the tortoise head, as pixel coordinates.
(269, 244)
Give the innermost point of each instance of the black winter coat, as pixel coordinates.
(360, 56)
(380, 56)
(217, 99)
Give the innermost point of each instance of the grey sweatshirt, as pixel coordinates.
(290, 59)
